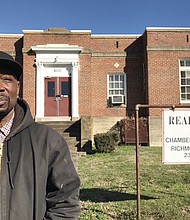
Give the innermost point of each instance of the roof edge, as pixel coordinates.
(11, 35)
(116, 35)
(167, 28)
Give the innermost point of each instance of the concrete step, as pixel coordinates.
(73, 128)
(69, 130)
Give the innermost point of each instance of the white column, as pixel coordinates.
(75, 90)
(39, 90)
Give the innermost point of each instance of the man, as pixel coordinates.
(38, 180)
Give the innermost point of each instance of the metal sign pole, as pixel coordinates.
(137, 162)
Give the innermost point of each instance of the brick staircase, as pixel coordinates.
(71, 133)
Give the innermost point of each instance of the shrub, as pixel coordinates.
(106, 142)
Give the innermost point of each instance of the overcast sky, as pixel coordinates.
(99, 16)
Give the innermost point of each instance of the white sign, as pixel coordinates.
(176, 136)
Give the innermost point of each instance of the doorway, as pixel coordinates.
(57, 96)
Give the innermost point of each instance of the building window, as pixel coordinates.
(185, 80)
(116, 89)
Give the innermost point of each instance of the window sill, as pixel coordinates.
(117, 106)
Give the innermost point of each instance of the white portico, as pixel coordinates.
(57, 69)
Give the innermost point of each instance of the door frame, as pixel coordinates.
(60, 54)
(47, 71)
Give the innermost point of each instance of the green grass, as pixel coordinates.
(108, 186)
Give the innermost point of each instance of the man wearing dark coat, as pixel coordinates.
(38, 180)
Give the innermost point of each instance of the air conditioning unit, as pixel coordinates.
(117, 99)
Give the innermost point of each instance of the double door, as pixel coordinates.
(57, 96)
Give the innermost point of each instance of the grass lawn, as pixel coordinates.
(108, 186)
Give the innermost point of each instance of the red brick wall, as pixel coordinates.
(136, 92)
(29, 81)
(163, 72)
(164, 51)
(93, 69)
(101, 66)
(109, 44)
(96, 44)
(33, 39)
(136, 75)
(9, 43)
(151, 65)
(85, 94)
(13, 44)
(168, 37)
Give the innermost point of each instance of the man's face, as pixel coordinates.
(9, 90)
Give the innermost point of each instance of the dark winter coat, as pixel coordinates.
(38, 180)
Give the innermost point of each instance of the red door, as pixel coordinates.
(57, 96)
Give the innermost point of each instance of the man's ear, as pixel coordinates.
(18, 87)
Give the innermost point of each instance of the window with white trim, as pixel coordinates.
(116, 89)
(184, 80)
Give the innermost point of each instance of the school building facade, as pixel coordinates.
(98, 79)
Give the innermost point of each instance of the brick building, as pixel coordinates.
(98, 79)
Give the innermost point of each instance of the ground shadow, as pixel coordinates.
(107, 195)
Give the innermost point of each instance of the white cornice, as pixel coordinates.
(116, 35)
(80, 31)
(45, 31)
(56, 47)
(11, 35)
(168, 29)
(32, 31)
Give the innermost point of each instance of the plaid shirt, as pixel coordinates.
(5, 130)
